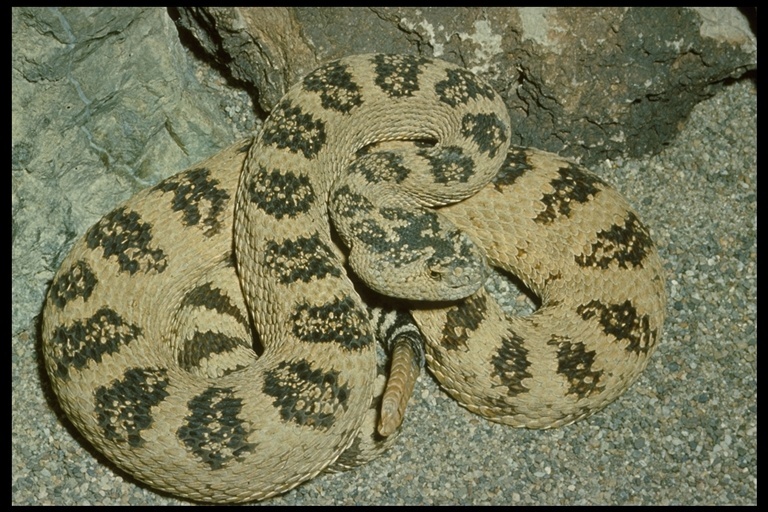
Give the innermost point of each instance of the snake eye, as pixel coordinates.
(435, 275)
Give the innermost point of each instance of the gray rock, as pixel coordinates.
(588, 83)
(105, 103)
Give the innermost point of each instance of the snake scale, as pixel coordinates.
(208, 335)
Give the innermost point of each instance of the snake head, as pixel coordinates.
(428, 260)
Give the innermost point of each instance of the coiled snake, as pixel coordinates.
(148, 323)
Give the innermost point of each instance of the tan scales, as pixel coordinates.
(147, 334)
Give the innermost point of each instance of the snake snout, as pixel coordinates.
(457, 279)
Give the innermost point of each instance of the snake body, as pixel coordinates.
(206, 337)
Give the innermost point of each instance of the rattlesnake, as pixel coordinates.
(147, 337)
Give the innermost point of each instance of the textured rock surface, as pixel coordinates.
(591, 83)
(105, 102)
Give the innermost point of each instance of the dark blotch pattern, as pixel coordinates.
(398, 75)
(122, 234)
(124, 409)
(281, 193)
(409, 236)
(395, 327)
(78, 281)
(355, 455)
(334, 84)
(290, 128)
(462, 321)
(571, 187)
(84, 341)
(212, 430)
(414, 231)
(381, 167)
(369, 232)
(622, 322)
(575, 363)
(303, 259)
(449, 164)
(339, 321)
(418, 232)
(348, 204)
(202, 345)
(199, 199)
(628, 245)
(211, 298)
(510, 364)
(307, 397)
(515, 165)
(462, 86)
(486, 130)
